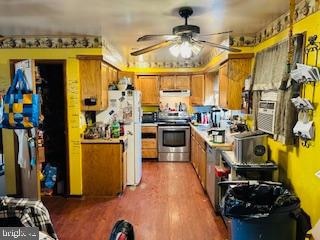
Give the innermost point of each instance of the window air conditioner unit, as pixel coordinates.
(266, 116)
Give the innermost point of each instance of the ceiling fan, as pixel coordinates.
(184, 39)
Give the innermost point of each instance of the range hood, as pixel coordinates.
(175, 93)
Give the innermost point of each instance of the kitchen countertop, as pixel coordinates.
(204, 135)
(110, 140)
(149, 124)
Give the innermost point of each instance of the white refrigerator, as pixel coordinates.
(126, 105)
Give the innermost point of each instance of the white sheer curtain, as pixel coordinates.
(270, 67)
(270, 72)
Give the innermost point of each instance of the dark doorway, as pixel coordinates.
(52, 88)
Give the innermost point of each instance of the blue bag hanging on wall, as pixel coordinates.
(21, 106)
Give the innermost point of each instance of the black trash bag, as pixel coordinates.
(303, 223)
(122, 230)
(255, 201)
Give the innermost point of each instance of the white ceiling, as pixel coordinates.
(123, 21)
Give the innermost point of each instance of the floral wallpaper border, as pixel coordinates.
(303, 9)
(51, 42)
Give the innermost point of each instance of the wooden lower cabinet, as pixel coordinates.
(199, 157)
(193, 149)
(202, 166)
(103, 169)
(149, 142)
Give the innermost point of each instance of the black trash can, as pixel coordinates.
(261, 211)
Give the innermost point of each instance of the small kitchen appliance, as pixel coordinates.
(149, 117)
(251, 147)
(218, 135)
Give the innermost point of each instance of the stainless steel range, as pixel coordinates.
(173, 136)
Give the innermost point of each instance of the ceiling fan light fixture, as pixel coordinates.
(186, 49)
(175, 50)
(196, 48)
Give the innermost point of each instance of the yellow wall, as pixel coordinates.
(297, 165)
(73, 105)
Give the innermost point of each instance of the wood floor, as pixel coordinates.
(168, 204)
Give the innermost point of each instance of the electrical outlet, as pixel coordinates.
(318, 174)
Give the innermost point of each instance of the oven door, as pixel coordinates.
(174, 139)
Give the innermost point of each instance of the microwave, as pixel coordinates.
(149, 117)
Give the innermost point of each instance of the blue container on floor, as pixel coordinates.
(279, 225)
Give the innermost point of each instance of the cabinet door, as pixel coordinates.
(90, 78)
(102, 169)
(223, 85)
(196, 156)
(202, 166)
(197, 89)
(193, 149)
(167, 82)
(114, 74)
(149, 87)
(124, 169)
(104, 84)
(182, 82)
(238, 71)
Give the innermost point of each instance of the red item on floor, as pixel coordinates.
(121, 236)
(221, 171)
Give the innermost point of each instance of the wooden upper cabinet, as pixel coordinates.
(201, 90)
(182, 82)
(167, 82)
(112, 74)
(95, 76)
(223, 85)
(175, 82)
(149, 87)
(93, 84)
(231, 81)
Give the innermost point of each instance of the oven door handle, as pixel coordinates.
(173, 128)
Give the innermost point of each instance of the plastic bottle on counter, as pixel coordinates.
(115, 129)
(108, 131)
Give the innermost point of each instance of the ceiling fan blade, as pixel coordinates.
(157, 37)
(212, 34)
(152, 48)
(210, 44)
